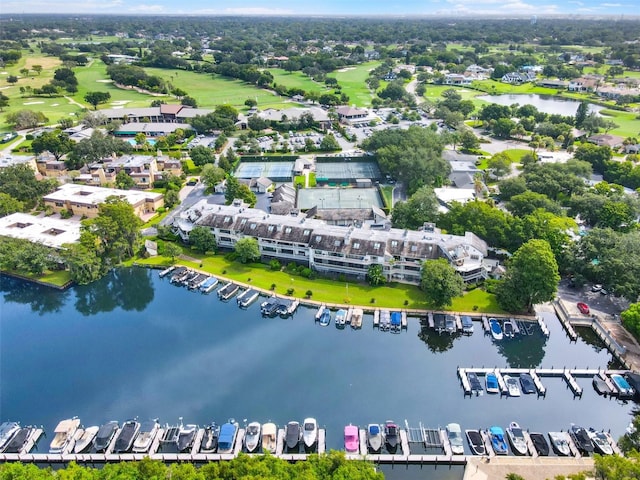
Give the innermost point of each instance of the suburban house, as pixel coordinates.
(605, 139)
(518, 77)
(586, 83)
(334, 249)
(257, 185)
(50, 231)
(84, 200)
(48, 166)
(559, 84)
(457, 79)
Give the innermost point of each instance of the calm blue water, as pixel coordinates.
(544, 103)
(135, 345)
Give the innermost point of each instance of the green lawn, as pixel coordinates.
(352, 81)
(629, 124)
(496, 87)
(56, 278)
(325, 290)
(387, 195)
(297, 80)
(516, 154)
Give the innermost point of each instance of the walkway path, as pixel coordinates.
(539, 468)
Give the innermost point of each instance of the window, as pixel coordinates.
(242, 222)
(287, 230)
(53, 231)
(414, 248)
(227, 219)
(306, 233)
(318, 238)
(376, 246)
(356, 246)
(270, 229)
(252, 226)
(337, 243)
(20, 225)
(394, 243)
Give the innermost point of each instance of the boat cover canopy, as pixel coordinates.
(496, 431)
(374, 429)
(396, 317)
(227, 431)
(466, 321)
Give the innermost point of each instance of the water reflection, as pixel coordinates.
(127, 288)
(523, 351)
(41, 299)
(436, 342)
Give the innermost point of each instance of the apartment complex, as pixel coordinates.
(337, 249)
(143, 169)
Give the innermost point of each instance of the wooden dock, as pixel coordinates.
(362, 436)
(239, 441)
(487, 443)
(537, 382)
(446, 445)
(572, 447)
(458, 322)
(501, 382)
(376, 318)
(577, 390)
(543, 326)
(430, 320)
(32, 441)
(197, 441)
(403, 319)
(280, 442)
(462, 373)
(404, 442)
(348, 317)
(156, 442)
(320, 311)
(485, 324)
(322, 442)
(532, 450)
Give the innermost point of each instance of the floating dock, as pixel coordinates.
(543, 326)
(485, 324)
(430, 320)
(320, 311)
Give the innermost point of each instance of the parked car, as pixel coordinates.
(583, 307)
(596, 288)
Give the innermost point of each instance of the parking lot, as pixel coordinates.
(606, 306)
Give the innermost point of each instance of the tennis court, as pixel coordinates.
(326, 198)
(346, 171)
(276, 171)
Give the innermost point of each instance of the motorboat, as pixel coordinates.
(186, 437)
(356, 318)
(449, 324)
(248, 297)
(166, 271)
(252, 437)
(228, 291)
(227, 438)
(269, 437)
(341, 318)
(526, 384)
(209, 284)
(309, 432)
(287, 308)
(351, 442)
(170, 436)
(438, 322)
(7, 431)
(18, 440)
(581, 439)
(146, 435)
(498, 443)
(476, 443)
(516, 439)
(467, 324)
(84, 442)
(496, 329)
(513, 386)
(391, 435)
(196, 281)
(508, 329)
(624, 389)
(269, 308)
(178, 274)
(126, 436)
(325, 318)
(63, 434)
(374, 437)
(600, 442)
(474, 382)
(385, 320)
(292, 435)
(209, 442)
(540, 444)
(491, 383)
(396, 322)
(600, 386)
(321, 309)
(104, 436)
(560, 443)
(454, 435)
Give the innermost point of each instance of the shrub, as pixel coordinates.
(273, 286)
(275, 265)
(292, 267)
(64, 213)
(308, 293)
(306, 272)
(373, 300)
(290, 291)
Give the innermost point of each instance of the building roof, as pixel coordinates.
(49, 231)
(89, 195)
(8, 160)
(271, 114)
(152, 127)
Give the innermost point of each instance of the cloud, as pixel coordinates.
(497, 7)
(575, 2)
(257, 11)
(610, 5)
(43, 6)
(147, 9)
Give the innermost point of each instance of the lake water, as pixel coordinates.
(544, 103)
(133, 344)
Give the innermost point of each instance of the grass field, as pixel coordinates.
(297, 80)
(330, 291)
(629, 124)
(352, 81)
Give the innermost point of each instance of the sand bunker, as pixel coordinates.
(104, 80)
(120, 102)
(346, 69)
(32, 103)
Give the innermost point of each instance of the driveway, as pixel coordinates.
(189, 196)
(605, 306)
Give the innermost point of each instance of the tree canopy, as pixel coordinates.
(19, 182)
(421, 207)
(440, 283)
(247, 250)
(202, 239)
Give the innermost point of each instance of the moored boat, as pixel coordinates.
(209, 284)
(374, 437)
(269, 307)
(105, 436)
(292, 435)
(146, 435)
(476, 443)
(516, 439)
(248, 297)
(186, 437)
(228, 291)
(600, 386)
(507, 329)
(496, 329)
(7, 431)
(227, 438)
(624, 389)
(197, 281)
(385, 320)
(252, 437)
(64, 432)
(18, 440)
(170, 436)
(396, 322)
(449, 324)
(454, 435)
(325, 318)
(126, 436)
(84, 442)
(341, 318)
(467, 324)
(560, 443)
(513, 386)
(600, 442)
(498, 443)
(491, 383)
(356, 318)
(581, 438)
(178, 274)
(391, 436)
(166, 271)
(539, 443)
(321, 309)
(474, 382)
(526, 384)
(209, 442)
(269, 437)
(309, 432)
(351, 443)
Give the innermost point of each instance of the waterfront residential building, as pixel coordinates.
(334, 249)
(50, 231)
(84, 200)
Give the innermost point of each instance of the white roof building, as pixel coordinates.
(49, 231)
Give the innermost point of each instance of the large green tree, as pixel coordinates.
(19, 182)
(201, 155)
(421, 207)
(631, 319)
(202, 239)
(83, 264)
(211, 176)
(9, 205)
(96, 148)
(96, 98)
(235, 189)
(247, 249)
(440, 283)
(375, 275)
(532, 277)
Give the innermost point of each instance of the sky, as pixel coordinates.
(408, 8)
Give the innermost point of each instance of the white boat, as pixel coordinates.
(454, 434)
(209, 284)
(491, 383)
(64, 432)
(247, 297)
(508, 328)
(309, 432)
(513, 385)
(341, 318)
(559, 443)
(496, 329)
(516, 438)
(356, 318)
(374, 437)
(167, 271)
(252, 437)
(146, 436)
(269, 437)
(86, 439)
(7, 431)
(600, 442)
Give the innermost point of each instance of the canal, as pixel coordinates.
(134, 345)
